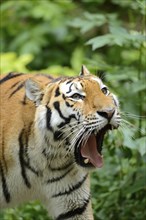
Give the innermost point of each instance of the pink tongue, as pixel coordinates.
(89, 151)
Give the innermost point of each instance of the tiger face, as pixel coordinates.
(73, 115)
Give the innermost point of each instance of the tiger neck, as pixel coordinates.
(55, 154)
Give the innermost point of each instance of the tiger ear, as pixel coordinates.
(84, 71)
(34, 91)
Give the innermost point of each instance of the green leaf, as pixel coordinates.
(88, 22)
(11, 62)
(118, 31)
(136, 186)
(100, 41)
(128, 138)
(77, 58)
(138, 86)
(141, 145)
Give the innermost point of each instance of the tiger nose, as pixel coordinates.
(108, 113)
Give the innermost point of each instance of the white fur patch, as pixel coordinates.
(98, 80)
(41, 117)
(55, 119)
(71, 88)
(115, 99)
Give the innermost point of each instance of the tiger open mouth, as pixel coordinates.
(90, 153)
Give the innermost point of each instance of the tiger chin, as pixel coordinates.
(51, 136)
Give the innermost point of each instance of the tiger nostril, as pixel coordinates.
(103, 114)
(106, 114)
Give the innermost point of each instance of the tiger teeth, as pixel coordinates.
(95, 132)
(86, 161)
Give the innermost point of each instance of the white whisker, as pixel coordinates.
(124, 128)
(72, 123)
(69, 129)
(74, 140)
(77, 137)
(82, 138)
(130, 115)
(131, 126)
(86, 137)
(67, 136)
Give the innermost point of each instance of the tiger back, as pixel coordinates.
(51, 136)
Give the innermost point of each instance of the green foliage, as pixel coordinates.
(118, 189)
(11, 62)
(56, 37)
(40, 28)
(31, 211)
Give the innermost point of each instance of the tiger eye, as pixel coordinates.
(104, 90)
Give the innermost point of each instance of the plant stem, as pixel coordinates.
(140, 93)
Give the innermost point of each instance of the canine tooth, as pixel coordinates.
(86, 161)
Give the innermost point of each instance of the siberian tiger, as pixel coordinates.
(51, 135)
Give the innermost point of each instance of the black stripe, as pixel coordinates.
(62, 124)
(32, 169)
(23, 155)
(81, 84)
(114, 101)
(57, 92)
(24, 100)
(57, 107)
(45, 75)
(60, 177)
(68, 105)
(16, 90)
(58, 135)
(67, 120)
(45, 153)
(63, 96)
(21, 158)
(69, 88)
(58, 79)
(10, 76)
(14, 85)
(60, 168)
(4, 185)
(48, 118)
(69, 81)
(74, 212)
(25, 142)
(72, 188)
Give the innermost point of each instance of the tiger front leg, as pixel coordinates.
(76, 208)
(70, 200)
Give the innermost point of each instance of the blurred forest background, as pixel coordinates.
(108, 36)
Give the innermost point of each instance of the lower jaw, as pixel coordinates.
(83, 162)
(88, 165)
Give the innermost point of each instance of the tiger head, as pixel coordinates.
(73, 114)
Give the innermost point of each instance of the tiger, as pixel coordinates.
(51, 137)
